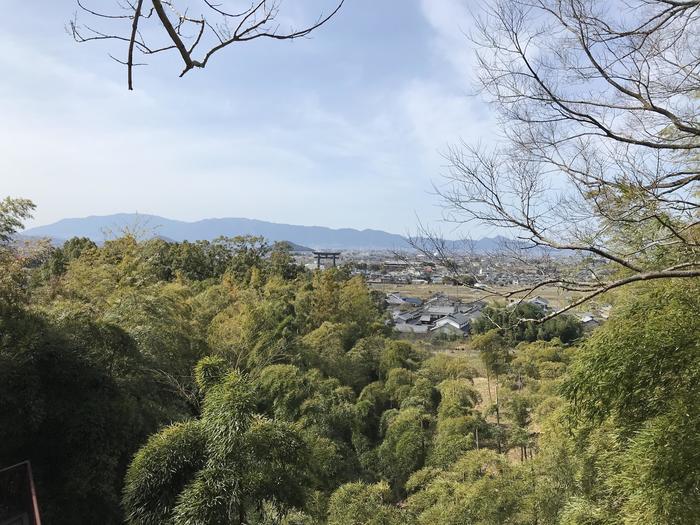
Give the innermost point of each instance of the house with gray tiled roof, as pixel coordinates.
(439, 314)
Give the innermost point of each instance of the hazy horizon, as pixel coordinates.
(201, 219)
(30, 231)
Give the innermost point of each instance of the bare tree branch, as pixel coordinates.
(601, 114)
(132, 42)
(196, 38)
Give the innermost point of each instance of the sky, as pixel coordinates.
(345, 128)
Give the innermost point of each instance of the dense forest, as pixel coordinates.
(218, 382)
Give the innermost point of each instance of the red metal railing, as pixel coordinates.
(18, 501)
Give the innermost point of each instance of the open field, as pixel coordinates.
(555, 296)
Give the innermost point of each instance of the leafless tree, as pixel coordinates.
(598, 103)
(508, 257)
(148, 27)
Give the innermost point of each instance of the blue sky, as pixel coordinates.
(343, 129)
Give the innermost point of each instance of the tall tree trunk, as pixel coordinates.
(488, 386)
(498, 417)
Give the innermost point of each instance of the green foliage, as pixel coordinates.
(282, 390)
(326, 348)
(493, 352)
(398, 385)
(565, 328)
(506, 319)
(371, 404)
(335, 299)
(478, 488)
(59, 258)
(439, 367)
(254, 330)
(579, 511)
(160, 470)
(422, 394)
(634, 395)
(247, 254)
(13, 281)
(458, 398)
(362, 504)
(399, 354)
(358, 310)
(518, 408)
(453, 437)
(219, 468)
(13, 213)
(405, 446)
(280, 398)
(74, 400)
(209, 372)
(644, 360)
(363, 361)
(195, 261)
(281, 263)
(13, 278)
(158, 320)
(541, 359)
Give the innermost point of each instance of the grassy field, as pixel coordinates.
(555, 296)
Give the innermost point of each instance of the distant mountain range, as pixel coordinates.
(99, 228)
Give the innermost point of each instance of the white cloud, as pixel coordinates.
(440, 116)
(78, 143)
(451, 21)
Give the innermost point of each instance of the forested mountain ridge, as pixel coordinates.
(98, 228)
(94, 227)
(155, 382)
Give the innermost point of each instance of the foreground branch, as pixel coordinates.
(195, 38)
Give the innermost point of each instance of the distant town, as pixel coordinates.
(479, 270)
(426, 298)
